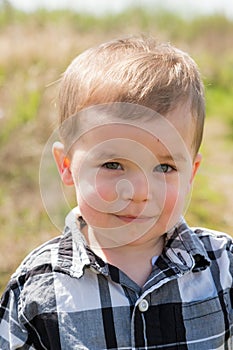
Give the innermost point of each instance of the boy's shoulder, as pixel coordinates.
(212, 234)
(65, 253)
(214, 240)
(38, 257)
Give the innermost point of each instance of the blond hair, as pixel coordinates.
(135, 70)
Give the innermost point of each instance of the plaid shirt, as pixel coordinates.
(65, 297)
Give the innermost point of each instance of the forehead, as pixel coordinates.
(126, 128)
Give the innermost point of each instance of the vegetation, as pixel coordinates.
(35, 50)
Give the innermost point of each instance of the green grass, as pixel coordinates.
(24, 110)
(35, 50)
(202, 209)
(219, 102)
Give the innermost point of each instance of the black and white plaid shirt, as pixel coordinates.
(64, 297)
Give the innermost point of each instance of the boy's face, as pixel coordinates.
(132, 176)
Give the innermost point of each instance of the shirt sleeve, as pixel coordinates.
(13, 334)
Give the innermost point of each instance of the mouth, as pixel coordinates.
(134, 219)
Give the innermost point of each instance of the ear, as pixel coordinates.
(63, 163)
(196, 165)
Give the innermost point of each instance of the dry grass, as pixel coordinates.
(34, 53)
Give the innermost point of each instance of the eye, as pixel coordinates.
(112, 166)
(164, 168)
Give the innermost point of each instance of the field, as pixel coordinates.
(35, 50)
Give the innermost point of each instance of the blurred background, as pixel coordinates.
(38, 39)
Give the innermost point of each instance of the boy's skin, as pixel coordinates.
(126, 198)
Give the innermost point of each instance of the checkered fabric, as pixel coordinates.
(63, 296)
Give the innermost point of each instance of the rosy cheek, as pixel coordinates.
(106, 191)
(106, 188)
(174, 203)
(172, 197)
(97, 196)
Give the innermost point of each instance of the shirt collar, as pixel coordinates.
(73, 253)
(183, 250)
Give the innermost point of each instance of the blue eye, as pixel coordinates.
(163, 168)
(112, 166)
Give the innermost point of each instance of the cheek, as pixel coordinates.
(172, 208)
(89, 207)
(106, 189)
(166, 193)
(170, 199)
(96, 196)
(174, 200)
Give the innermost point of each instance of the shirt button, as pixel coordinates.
(143, 305)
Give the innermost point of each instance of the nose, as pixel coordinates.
(136, 187)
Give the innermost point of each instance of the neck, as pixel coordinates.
(133, 259)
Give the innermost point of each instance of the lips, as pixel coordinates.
(135, 219)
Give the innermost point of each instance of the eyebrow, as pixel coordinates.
(177, 157)
(173, 157)
(106, 155)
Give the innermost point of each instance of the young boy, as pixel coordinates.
(127, 273)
